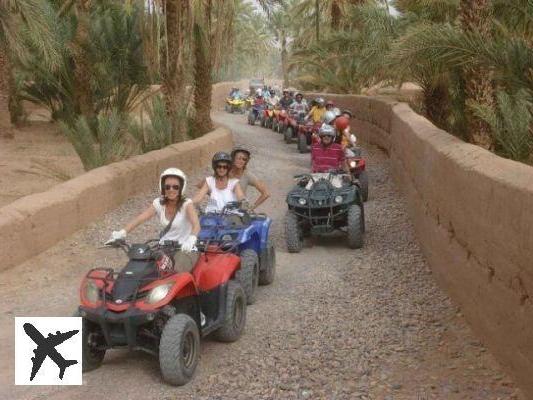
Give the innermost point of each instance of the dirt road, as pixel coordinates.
(335, 324)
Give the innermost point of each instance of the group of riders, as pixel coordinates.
(230, 180)
(178, 214)
(334, 141)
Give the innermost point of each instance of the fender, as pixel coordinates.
(213, 269)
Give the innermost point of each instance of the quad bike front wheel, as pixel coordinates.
(248, 274)
(302, 143)
(293, 233)
(287, 135)
(93, 352)
(179, 349)
(355, 227)
(268, 265)
(275, 125)
(235, 317)
(363, 182)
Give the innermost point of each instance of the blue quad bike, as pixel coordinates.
(247, 235)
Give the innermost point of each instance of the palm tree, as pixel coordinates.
(475, 17)
(178, 15)
(33, 14)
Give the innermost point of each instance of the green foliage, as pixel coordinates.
(101, 145)
(510, 121)
(155, 133)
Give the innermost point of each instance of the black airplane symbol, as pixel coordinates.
(46, 347)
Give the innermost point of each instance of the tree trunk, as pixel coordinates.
(9, 91)
(202, 85)
(5, 93)
(83, 98)
(203, 62)
(336, 15)
(474, 17)
(436, 104)
(173, 71)
(284, 60)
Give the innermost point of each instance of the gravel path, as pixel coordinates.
(335, 324)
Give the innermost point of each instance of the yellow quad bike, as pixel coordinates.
(248, 102)
(237, 105)
(227, 104)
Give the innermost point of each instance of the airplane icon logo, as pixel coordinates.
(45, 348)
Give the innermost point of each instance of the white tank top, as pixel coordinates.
(218, 198)
(181, 226)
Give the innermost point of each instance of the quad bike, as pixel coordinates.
(236, 105)
(275, 116)
(227, 105)
(305, 135)
(281, 124)
(248, 102)
(293, 121)
(357, 167)
(248, 235)
(267, 116)
(149, 306)
(322, 203)
(255, 113)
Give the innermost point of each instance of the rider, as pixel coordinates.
(299, 105)
(344, 136)
(317, 111)
(241, 157)
(327, 155)
(175, 212)
(221, 188)
(286, 100)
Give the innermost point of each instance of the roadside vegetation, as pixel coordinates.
(472, 59)
(125, 77)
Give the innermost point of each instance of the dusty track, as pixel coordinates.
(335, 324)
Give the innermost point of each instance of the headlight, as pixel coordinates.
(338, 199)
(158, 293)
(353, 164)
(92, 292)
(302, 201)
(227, 238)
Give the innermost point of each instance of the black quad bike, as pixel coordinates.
(152, 307)
(322, 203)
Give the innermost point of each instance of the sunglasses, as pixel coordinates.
(222, 166)
(173, 187)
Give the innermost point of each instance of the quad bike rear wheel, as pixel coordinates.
(248, 274)
(268, 265)
(302, 143)
(92, 341)
(179, 349)
(235, 317)
(287, 135)
(363, 182)
(293, 233)
(355, 227)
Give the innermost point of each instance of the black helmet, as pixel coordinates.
(240, 149)
(219, 157)
(347, 112)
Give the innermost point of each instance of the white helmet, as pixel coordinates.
(259, 92)
(329, 116)
(326, 130)
(173, 172)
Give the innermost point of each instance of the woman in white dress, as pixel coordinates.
(220, 187)
(176, 214)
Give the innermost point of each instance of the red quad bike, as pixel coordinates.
(266, 117)
(357, 166)
(291, 131)
(305, 135)
(282, 120)
(149, 306)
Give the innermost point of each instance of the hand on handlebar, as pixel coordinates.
(116, 236)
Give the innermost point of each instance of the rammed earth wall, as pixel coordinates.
(36, 222)
(472, 212)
